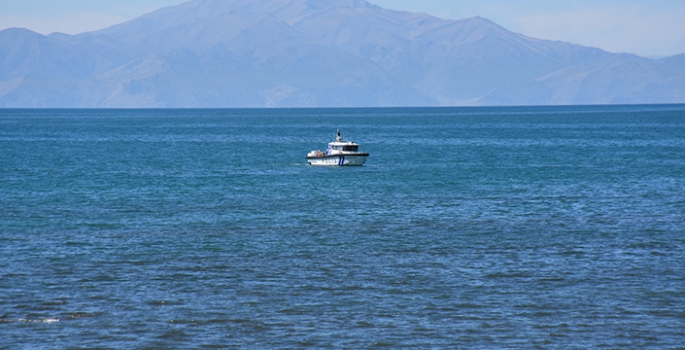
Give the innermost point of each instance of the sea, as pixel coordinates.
(467, 228)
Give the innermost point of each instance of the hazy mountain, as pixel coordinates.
(255, 53)
(618, 79)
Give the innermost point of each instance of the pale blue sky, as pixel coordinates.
(646, 27)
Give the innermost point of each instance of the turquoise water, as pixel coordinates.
(544, 227)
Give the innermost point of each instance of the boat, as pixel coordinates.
(338, 153)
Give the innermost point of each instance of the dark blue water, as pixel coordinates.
(469, 228)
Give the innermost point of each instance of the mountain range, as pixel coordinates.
(317, 53)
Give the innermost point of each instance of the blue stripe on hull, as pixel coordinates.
(340, 161)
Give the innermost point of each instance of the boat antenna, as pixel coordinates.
(338, 138)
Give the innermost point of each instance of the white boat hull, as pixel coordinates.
(338, 160)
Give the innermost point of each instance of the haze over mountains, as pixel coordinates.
(317, 53)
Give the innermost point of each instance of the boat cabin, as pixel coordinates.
(342, 147)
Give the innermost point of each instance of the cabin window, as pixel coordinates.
(351, 148)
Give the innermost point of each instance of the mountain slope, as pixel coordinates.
(287, 53)
(619, 79)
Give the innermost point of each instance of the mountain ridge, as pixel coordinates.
(309, 53)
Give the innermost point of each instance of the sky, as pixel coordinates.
(650, 28)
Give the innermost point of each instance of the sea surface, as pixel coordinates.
(468, 228)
